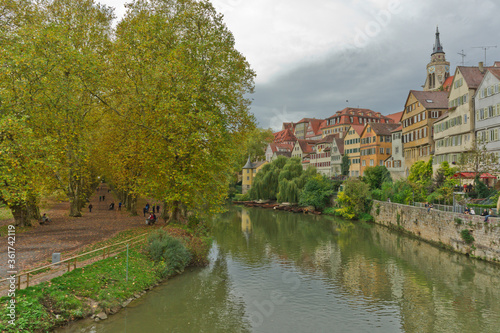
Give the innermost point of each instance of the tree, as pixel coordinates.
(255, 145)
(354, 199)
(50, 60)
(377, 175)
(317, 192)
(478, 159)
(344, 167)
(184, 85)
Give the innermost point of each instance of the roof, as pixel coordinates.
(432, 99)
(438, 48)
(250, 165)
(472, 75)
(306, 145)
(396, 117)
(383, 129)
(316, 124)
(323, 124)
(283, 153)
(288, 126)
(447, 83)
(340, 145)
(495, 71)
(397, 129)
(358, 128)
(284, 135)
(496, 64)
(328, 138)
(306, 120)
(472, 175)
(274, 146)
(444, 115)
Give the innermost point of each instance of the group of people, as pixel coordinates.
(152, 216)
(469, 211)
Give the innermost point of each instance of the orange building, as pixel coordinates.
(376, 144)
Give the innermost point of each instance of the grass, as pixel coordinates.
(91, 289)
(5, 213)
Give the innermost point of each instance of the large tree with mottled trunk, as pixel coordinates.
(183, 84)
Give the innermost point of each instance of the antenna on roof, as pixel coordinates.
(484, 48)
(463, 57)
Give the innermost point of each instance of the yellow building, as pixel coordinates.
(249, 171)
(375, 144)
(352, 144)
(422, 108)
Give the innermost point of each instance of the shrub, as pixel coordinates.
(467, 236)
(317, 192)
(168, 251)
(242, 197)
(199, 248)
(355, 199)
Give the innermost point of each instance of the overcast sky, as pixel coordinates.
(313, 58)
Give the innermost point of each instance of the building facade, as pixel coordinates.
(352, 145)
(422, 108)
(395, 163)
(487, 111)
(454, 132)
(376, 145)
(249, 172)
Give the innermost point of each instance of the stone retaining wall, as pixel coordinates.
(443, 228)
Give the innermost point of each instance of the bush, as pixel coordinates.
(355, 199)
(317, 192)
(199, 248)
(241, 197)
(467, 236)
(168, 251)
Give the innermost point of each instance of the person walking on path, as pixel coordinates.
(119, 206)
(103, 198)
(100, 197)
(144, 211)
(90, 208)
(153, 209)
(158, 209)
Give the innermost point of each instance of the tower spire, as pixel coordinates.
(438, 48)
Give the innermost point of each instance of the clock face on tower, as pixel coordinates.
(447, 68)
(431, 69)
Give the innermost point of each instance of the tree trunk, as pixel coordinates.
(133, 205)
(175, 213)
(21, 215)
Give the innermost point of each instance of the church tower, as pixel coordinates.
(438, 70)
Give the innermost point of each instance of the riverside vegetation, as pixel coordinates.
(102, 286)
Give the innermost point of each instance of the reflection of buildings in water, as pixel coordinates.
(246, 224)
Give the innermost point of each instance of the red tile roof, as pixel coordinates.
(447, 83)
(495, 71)
(344, 115)
(284, 135)
(358, 128)
(396, 117)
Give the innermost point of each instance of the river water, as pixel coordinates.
(273, 271)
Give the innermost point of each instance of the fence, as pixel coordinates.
(453, 209)
(72, 261)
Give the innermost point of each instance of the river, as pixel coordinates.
(273, 271)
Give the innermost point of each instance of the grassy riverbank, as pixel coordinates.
(100, 287)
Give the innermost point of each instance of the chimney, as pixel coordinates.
(481, 67)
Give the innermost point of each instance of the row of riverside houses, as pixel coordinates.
(441, 121)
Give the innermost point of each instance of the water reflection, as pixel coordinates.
(274, 271)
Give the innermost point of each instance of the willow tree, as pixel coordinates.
(177, 77)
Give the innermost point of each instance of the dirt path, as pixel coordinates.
(66, 233)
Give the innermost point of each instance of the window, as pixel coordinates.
(396, 150)
(381, 150)
(372, 162)
(363, 163)
(248, 178)
(388, 151)
(381, 163)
